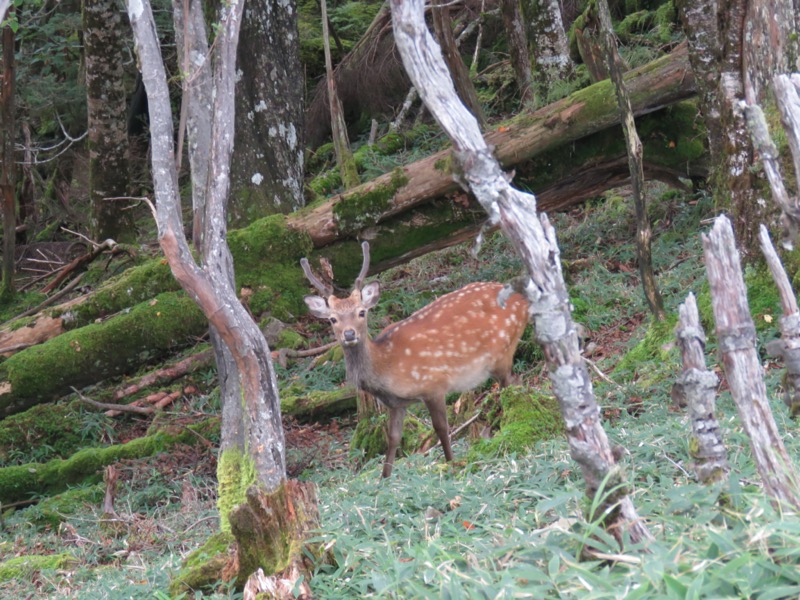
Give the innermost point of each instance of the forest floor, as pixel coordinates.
(496, 525)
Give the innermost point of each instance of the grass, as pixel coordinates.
(510, 526)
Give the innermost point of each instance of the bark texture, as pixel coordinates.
(715, 33)
(518, 47)
(268, 154)
(534, 238)
(550, 49)
(736, 334)
(696, 388)
(104, 45)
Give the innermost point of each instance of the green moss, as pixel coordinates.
(657, 346)
(150, 331)
(135, 285)
(528, 417)
(235, 473)
(672, 138)
(43, 432)
(318, 405)
(404, 233)
(357, 211)
(22, 481)
(370, 435)
(289, 338)
(25, 566)
(267, 255)
(203, 568)
(59, 508)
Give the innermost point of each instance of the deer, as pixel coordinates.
(453, 344)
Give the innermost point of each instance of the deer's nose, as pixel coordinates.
(349, 335)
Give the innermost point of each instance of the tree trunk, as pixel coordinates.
(442, 24)
(252, 457)
(268, 153)
(550, 49)
(104, 46)
(8, 175)
(534, 238)
(644, 233)
(715, 33)
(518, 48)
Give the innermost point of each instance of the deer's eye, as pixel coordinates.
(362, 313)
(333, 320)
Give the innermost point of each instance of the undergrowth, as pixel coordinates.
(491, 525)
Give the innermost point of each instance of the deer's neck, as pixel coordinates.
(361, 367)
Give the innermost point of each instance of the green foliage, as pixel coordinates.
(528, 417)
(657, 348)
(53, 511)
(370, 434)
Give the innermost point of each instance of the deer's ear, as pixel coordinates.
(370, 294)
(318, 306)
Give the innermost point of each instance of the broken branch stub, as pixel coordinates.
(736, 336)
(788, 347)
(697, 387)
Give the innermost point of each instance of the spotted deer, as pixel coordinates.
(451, 345)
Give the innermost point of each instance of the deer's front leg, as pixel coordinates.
(438, 410)
(396, 418)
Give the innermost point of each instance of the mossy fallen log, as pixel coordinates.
(25, 566)
(77, 358)
(21, 482)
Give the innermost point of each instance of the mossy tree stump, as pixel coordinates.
(270, 529)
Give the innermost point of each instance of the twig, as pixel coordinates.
(602, 375)
(139, 410)
(52, 299)
(200, 521)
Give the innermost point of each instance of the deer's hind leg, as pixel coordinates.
(438, 410)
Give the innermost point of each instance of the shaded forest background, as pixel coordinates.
(93, 315)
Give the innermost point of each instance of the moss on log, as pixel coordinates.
(77, 358)
(313, 406)
(22, 481)
(25, 566)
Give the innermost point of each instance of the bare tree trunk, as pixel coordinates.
(252, 460)
(341, 143)
(736, 335)
(534, 239)
(644, 234)
(788, 347)
(697, 388)
(104, 45)
(7, 176)
(715, 33)
(442, 24)
(518, 47)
